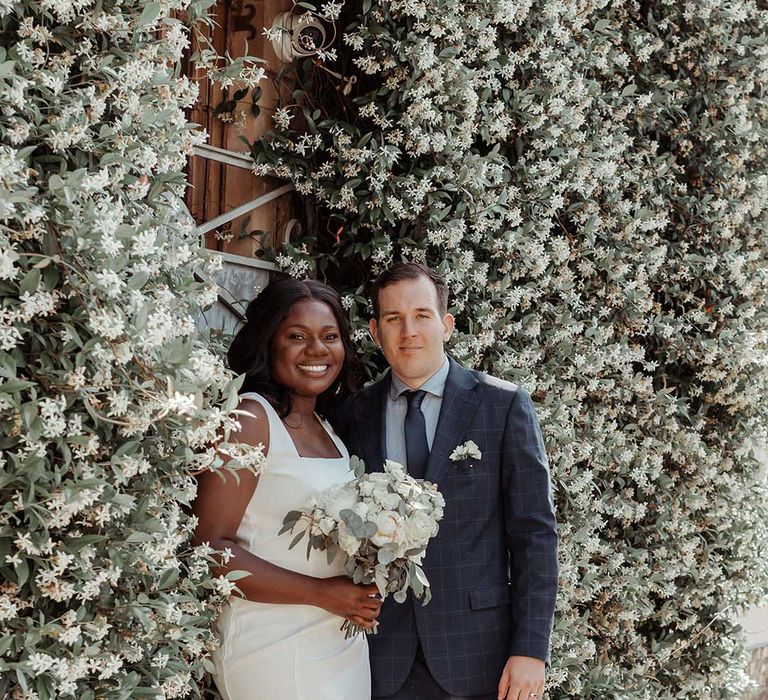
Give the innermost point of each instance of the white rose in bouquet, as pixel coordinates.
(419, 527)
(327, 525)
(348, 543)
(366, 489)
(382, 523)
(379, 487)
(390, 501)
(395, 470)
(340, 498)
(362, 509)
(389, 526)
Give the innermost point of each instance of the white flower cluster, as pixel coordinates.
(109, 396)
(590, 178)
(382, 522)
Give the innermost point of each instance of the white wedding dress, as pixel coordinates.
(288, 652)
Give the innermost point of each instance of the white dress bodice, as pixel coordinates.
(288, 652)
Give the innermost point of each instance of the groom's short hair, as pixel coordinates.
(409, 271)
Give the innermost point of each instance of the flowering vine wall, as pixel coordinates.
(109, 397)
(590, 177)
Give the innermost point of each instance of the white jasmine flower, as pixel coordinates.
(111, 665)
(9, 337)
(282, 117)
(41, 303)
(106, 324)
(52, 414)
(8, 256)
(8, 608)
(331, 11)
(70, 636)
(223, 586)
(39, 662)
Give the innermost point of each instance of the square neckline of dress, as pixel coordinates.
(323, 423)
(327, 432)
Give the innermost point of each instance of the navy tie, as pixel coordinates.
(416, 445)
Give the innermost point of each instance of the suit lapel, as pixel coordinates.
(370, 415)
(460, 401)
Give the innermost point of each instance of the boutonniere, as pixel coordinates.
(467, 450)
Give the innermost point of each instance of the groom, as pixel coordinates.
(493, 565)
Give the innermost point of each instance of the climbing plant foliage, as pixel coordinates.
(110, 399)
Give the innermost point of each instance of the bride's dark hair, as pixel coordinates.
(249, 352)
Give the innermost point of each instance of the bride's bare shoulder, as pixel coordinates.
(254, 422)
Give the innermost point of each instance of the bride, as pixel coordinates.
(281, 640)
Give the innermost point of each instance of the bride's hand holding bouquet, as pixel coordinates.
(382, 522)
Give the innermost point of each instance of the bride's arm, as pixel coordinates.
(220, 504)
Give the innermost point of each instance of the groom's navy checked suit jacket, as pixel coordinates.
(493, 565)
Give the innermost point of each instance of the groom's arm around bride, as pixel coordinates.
(493, 565)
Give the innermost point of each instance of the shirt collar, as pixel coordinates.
(434, 385)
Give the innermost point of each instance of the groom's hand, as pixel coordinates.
(522, 679)
(358, 603)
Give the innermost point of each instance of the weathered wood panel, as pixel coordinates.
(238, 283)
(217, 187)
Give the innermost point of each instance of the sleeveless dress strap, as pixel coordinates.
(279, 439)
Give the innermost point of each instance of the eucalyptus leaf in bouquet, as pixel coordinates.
(382, 522)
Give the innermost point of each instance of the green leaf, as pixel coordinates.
(75, 544)
(330, 553)
(6, 643)
(22, 572)
(385, 556)
(287, 527)
(6, 68)
(55, 183)
(354, 522)
(150, 13)
(139, 537)
(129, 447)
(630, 89)
(138, 280)
(418, 572)
(15, 385)
(297, 539)
(168, 578)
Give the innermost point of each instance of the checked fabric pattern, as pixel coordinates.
(493, 565)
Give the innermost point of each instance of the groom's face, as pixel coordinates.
(411, 329)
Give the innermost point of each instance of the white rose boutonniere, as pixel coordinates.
(467, 450)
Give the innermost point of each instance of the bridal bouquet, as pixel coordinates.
(382, 522)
